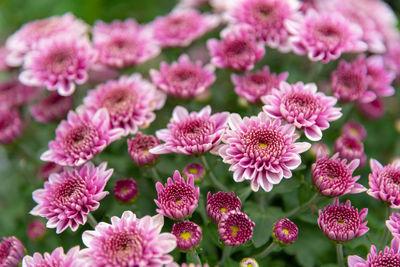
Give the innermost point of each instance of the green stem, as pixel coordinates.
(386, 234)
(202, 210)
(266, 251)
(194, 256)
(339, 255)
(225, 255)
(299, 209)
(91, 220)
(155, 176)
(212, 175)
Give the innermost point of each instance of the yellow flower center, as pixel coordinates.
(193, 170)
(285, 231)
(185, 235)
(222, 209)
(262, 145)
(235, 229)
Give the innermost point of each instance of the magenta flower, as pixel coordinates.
(51, 108)
(138, 148)
(10, 125)
(285, 232)
(252, 86)
(36, 230)
(333, 177)
(235, 228)
(58, 64)
(325, 36)
(11, 252)
(177, 199)
(56, 258)
(238, 49)
(49, 168)
(123, 43)
(68, 197)
(126, 190)
(261, 150)
(188, 235)
(248, 262)
(221, 203)
(195, 169)
(182, 26)
(350, 148)
(354, 129)
(130, 102)
(372, 110)
(393, 224)
(128, 241)
(191, 133)
(183, 79)
(341, 222)
(386, 257)
(15, 94)
(80, 138)
(301, 105)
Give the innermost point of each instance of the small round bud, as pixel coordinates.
(195, 169)
(284, 232)
(125, 190)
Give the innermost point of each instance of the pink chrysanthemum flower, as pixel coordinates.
(51, 108)
(30, 34)
(393, 224)
(128, 241)
(384, 183)
(333, 178)
(36, 230)
(80, 138)
(177, 199)
(237, 50)
(235, 228)
(195, 169)
(341, 222)
(325, 36)
(301, 105)
(221, 203)
(126, 190)
(11, 252)
(191, 133)
(183, 79)
(252, 86)
(248, 262)
(68, 197)
(56, 258)
(267, 18)
(350, 148)
(385, 258)
(354, 129)
(123, 43)
(138, 148)
(319, 148)
(58, 64)
(261, 150)
(372, 110)
(284, 232)
(15, 94)
(182, 27)
(49, 168)
(188, 235)
(380, 78)
(10, 125)
(130, 102)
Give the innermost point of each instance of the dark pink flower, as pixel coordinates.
(354, 129)
(138, 148)
(341, 222)
(350, 148)
(393, 224)
(125, 190)
(10, 125)
(15, 94)
(56, 258)
(188, 235)
(195, 169)
(221, 203)
(49, 168)
(51, 108)
(36, 230)
(235, 228)
(285, 232)
(11, 252)
(372, 110)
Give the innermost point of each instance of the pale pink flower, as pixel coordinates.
(68, 197)
(354, 129)
(319, 147)
(130, 102)
(56, 258)
(380, 78)
(393, 224)
(183, 78)
(191, 133)
(221, 6)
(11, 252)
(391, 58)
(235, 228)
(128, 241)
(138, 148)
(10, 125)
(350, 147)
(301, 105)
(15, 94)
(80, 138)
(52, 107)
(261, 150)
(252, 86)
(372, 110)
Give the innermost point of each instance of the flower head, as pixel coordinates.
(177, 199)
(341, 222)
(221, 203)
(138, 148)
(284, 232)
(36, 230)
(11, 251)
(51, 108)
(235, 228)
(248, 262)
(125, 190)
(195, 169)
(56, 258)
(393, 224)
(68, 197)
(350, 148)
(10, 125)
(15, 94)
(380, 79)
(188, 235)
(354, 129)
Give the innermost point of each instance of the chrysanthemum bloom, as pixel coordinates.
(123, 43)
(384, 183)
(51, 108)
(130, 101)
(301, 105)
(252, 86)
(10, 125)
(350, 148)
(128, 241)
(238, 49)
(284, 232)
(36, 230)
(380, 79)
(11, 252)
(333, 177)
(325, 36)
(195, 169)
(221, 203)
(248, 262)
(341, 222)
(182, 26)
(58, 64)
(372, 110)
(31, 33)
(177, 199)
(188, 235)
(392, 56)
(393, 224)
(235, 228)
(15, 94)
(80, 138)
(49, 168)
(354, 129)
(267, 18)
(138, 148)
(183, 79)
(261, 150)
(68, 197)
(125, 190)
(191, 133)
(56, 258)
(387, 257)
(319, 147)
